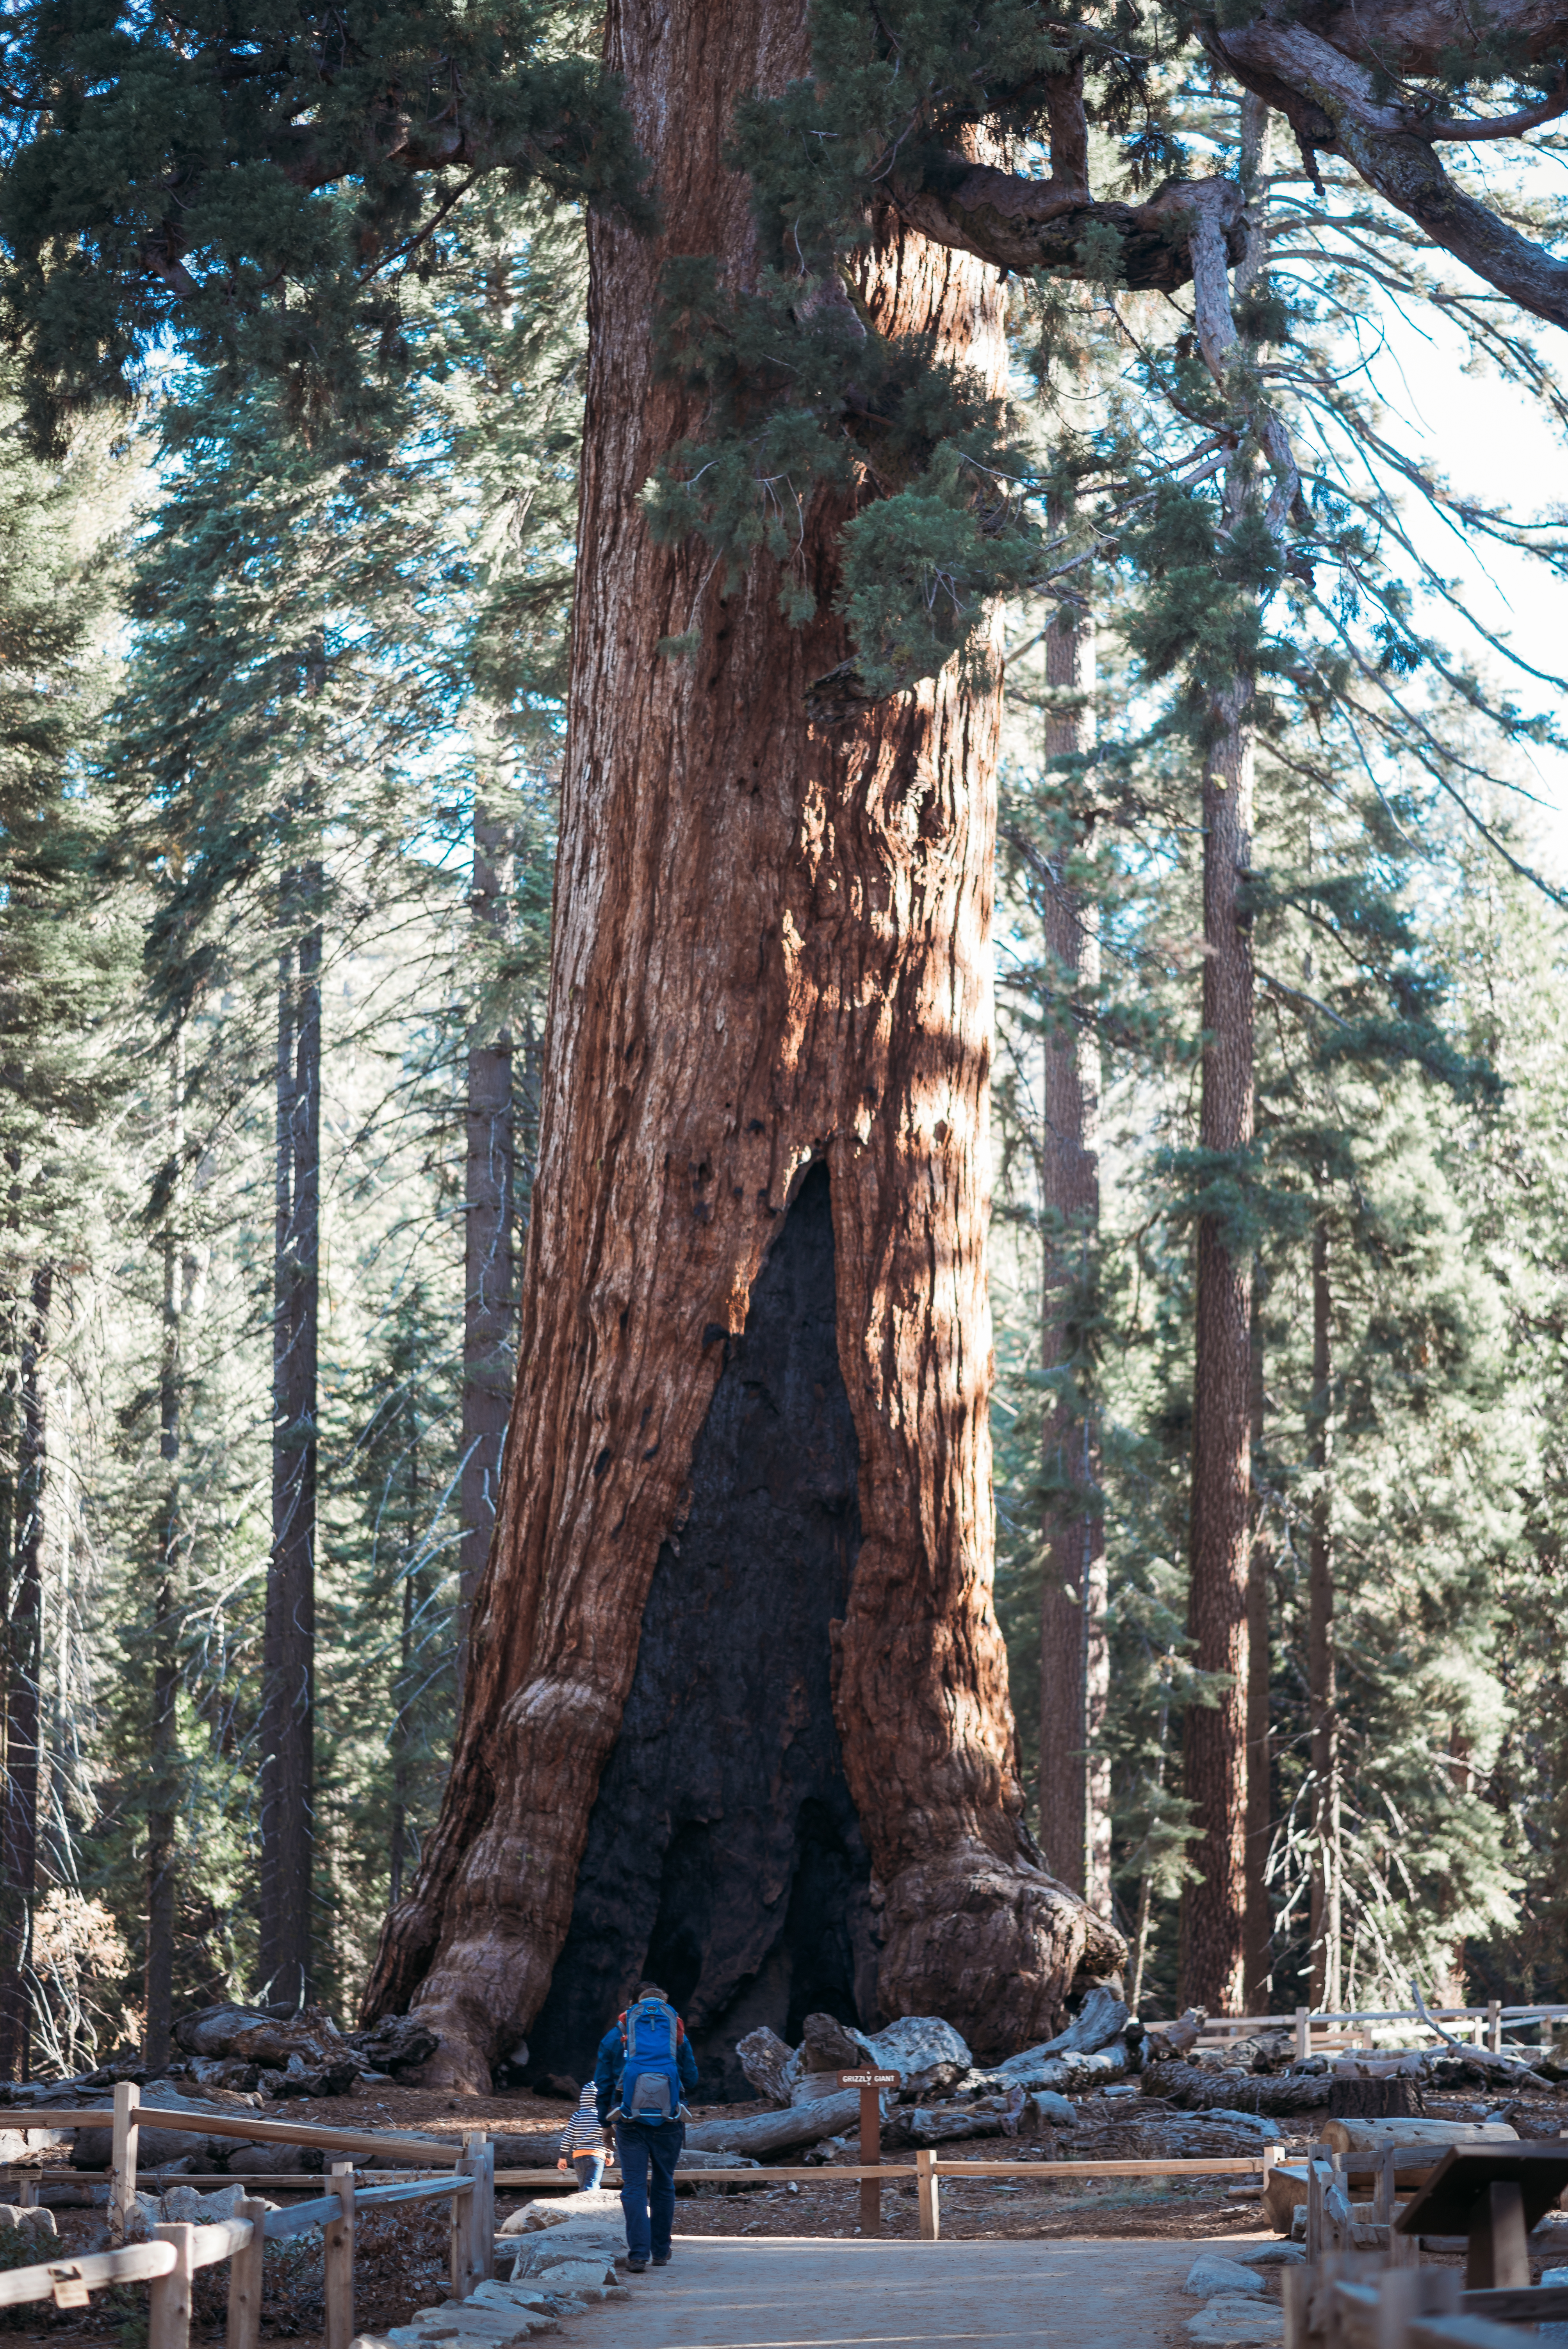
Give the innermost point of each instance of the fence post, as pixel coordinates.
(481, 2152)
(122, 2160)
(339, 2259)
(1494, 2025)
(1303, 2034)
(928, 2189)
(1407, 2293)
(1314, 2206)
(246, 2280)
(461, 2271)
(169, 2296)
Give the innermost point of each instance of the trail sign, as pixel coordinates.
(868, 2081)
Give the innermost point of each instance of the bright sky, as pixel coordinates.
(1495, 443)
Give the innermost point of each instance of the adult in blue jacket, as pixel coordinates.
(647, 2149)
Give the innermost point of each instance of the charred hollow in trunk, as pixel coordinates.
(724, 1857)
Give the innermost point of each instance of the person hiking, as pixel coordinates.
(585, 2144)
(645, 2062)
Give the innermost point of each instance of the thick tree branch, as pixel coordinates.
(1335, 103)
(1027, 224)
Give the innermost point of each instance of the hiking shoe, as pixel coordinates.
(662, 2258)
(636, 2267)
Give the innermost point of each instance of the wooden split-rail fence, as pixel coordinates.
(168, 2263)
(1316, 2034)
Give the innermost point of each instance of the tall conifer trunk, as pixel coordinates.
(1321, 1662)
(1212, 1971)
(288, 1658)
(746, 1492)
(1260, 1821)
(19, 1816)
(488, 1364)
(1214, 1906)
(1075, 1658)
(159, 1981)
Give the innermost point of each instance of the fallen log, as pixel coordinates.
(1371, 2137)
(1067, 2074)
(1195, 2088)
(763, 2133)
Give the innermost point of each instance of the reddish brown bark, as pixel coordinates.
(490, 1159)
(1324, 1938)
(288, 1649)
(1075, 1663)
(1213, 1905)
(771, 948)
(1259, 1816)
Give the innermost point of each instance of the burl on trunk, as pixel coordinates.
(738, 1700)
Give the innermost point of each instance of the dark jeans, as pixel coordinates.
(648, 2156)
(590, 2168)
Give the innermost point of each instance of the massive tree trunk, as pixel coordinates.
(740, 1584)
(1320, 1646)
(1075, 1658)
(23, 1665)
(488, 1362)
(288, 1658)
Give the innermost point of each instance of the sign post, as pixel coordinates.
(870, 2084)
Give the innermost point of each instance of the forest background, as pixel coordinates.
(279, 728)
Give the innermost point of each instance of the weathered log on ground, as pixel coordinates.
(1101, 2018)
(1194, 2088)
(1065, 2073)
(736, 1646)
(1372, 2100)
(764, 2133)
(763, 2057)
(927, 2054)
(309, 2043)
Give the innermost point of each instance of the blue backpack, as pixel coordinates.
(651, 2082)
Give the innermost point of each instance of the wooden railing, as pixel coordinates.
(168, 2262)
(1315, 2032)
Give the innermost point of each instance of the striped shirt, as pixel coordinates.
(583, 2132)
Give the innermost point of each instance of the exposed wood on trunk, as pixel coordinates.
(158, 1975)
(488, 1365)
(1075, 1658)
(771, 947)
(289, 1633)
(1260, 1817)
(19, 1815)
(1324, 1938)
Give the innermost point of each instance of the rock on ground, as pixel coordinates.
(1234, 2322)
(1271, 2255)
(1210, 2274)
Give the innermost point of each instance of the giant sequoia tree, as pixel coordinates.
(736, 1706)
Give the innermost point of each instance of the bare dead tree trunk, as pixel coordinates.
(488, 1361)
(1259, 1916)
(289, 1633)
(19, 1817)
(1325, 1911)
(1074, 1657)
(161, 1817)
(767, 1040)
